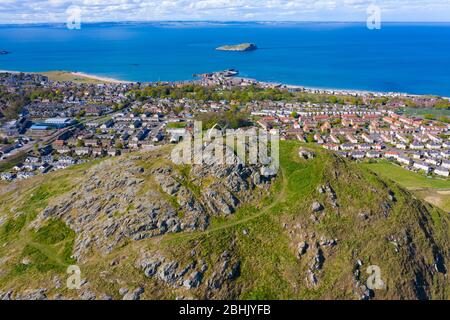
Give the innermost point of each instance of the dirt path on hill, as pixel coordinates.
(278, 198)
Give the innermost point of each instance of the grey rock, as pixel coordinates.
(134, 295)
(302, 248)
(305, 154)
(123, 291)
(235, 271)
(168, 272)
(194, 280)
(39, 294)
(87, 295)
(317, 207)
(168, 184)
(6, 295)
(363, 216)
(311, 279)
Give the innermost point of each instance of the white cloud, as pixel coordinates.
(20, 11)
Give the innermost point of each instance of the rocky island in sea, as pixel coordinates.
(238, 47)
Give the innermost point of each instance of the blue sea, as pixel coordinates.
(412, 58)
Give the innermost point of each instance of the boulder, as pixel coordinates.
(316, 207)
(134, 295)
(302, 248)
(194, 280)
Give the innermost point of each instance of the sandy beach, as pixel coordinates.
(75, 74)
(98, 78)
(289, 86)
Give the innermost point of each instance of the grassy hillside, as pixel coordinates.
(253, 253)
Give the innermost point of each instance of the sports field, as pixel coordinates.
(432, 189)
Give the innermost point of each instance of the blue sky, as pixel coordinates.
(47, 11)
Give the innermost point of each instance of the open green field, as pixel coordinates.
(405, 178)
(9, 163)
(420, 112)
(176, 125)
(431, 189)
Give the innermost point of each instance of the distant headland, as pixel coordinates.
(238, 47)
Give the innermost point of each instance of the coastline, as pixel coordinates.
(87, 76)
(337, 90)
(98, 78)
(103, 79)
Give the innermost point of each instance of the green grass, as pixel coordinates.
(32, 202)
(269, 261)
(431, 189)
(9, 163)
(406, 178)
(423, 111)
(270, 268)
(46, 250)
(176, 125)
(12, 226)
(54, 232)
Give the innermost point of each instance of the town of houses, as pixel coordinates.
(86, 123)
(362, 134)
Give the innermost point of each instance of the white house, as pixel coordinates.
(433, 146)
(401, 146)
(446, 164)
(442, 172)
(402, 138)
(372, 154)
(358, 155)
(404, 160)
(422, 166)
(432, 161)
(416, 146)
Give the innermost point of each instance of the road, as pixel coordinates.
(44, 141)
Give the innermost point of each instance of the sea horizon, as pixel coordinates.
(406, 22)
(402, 57)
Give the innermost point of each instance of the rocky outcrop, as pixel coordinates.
(306, 154)
(191, 274)
(226, 269)
(316, 207)
(119, 200)
(31, 294)
(238, 47)
(134, 295)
